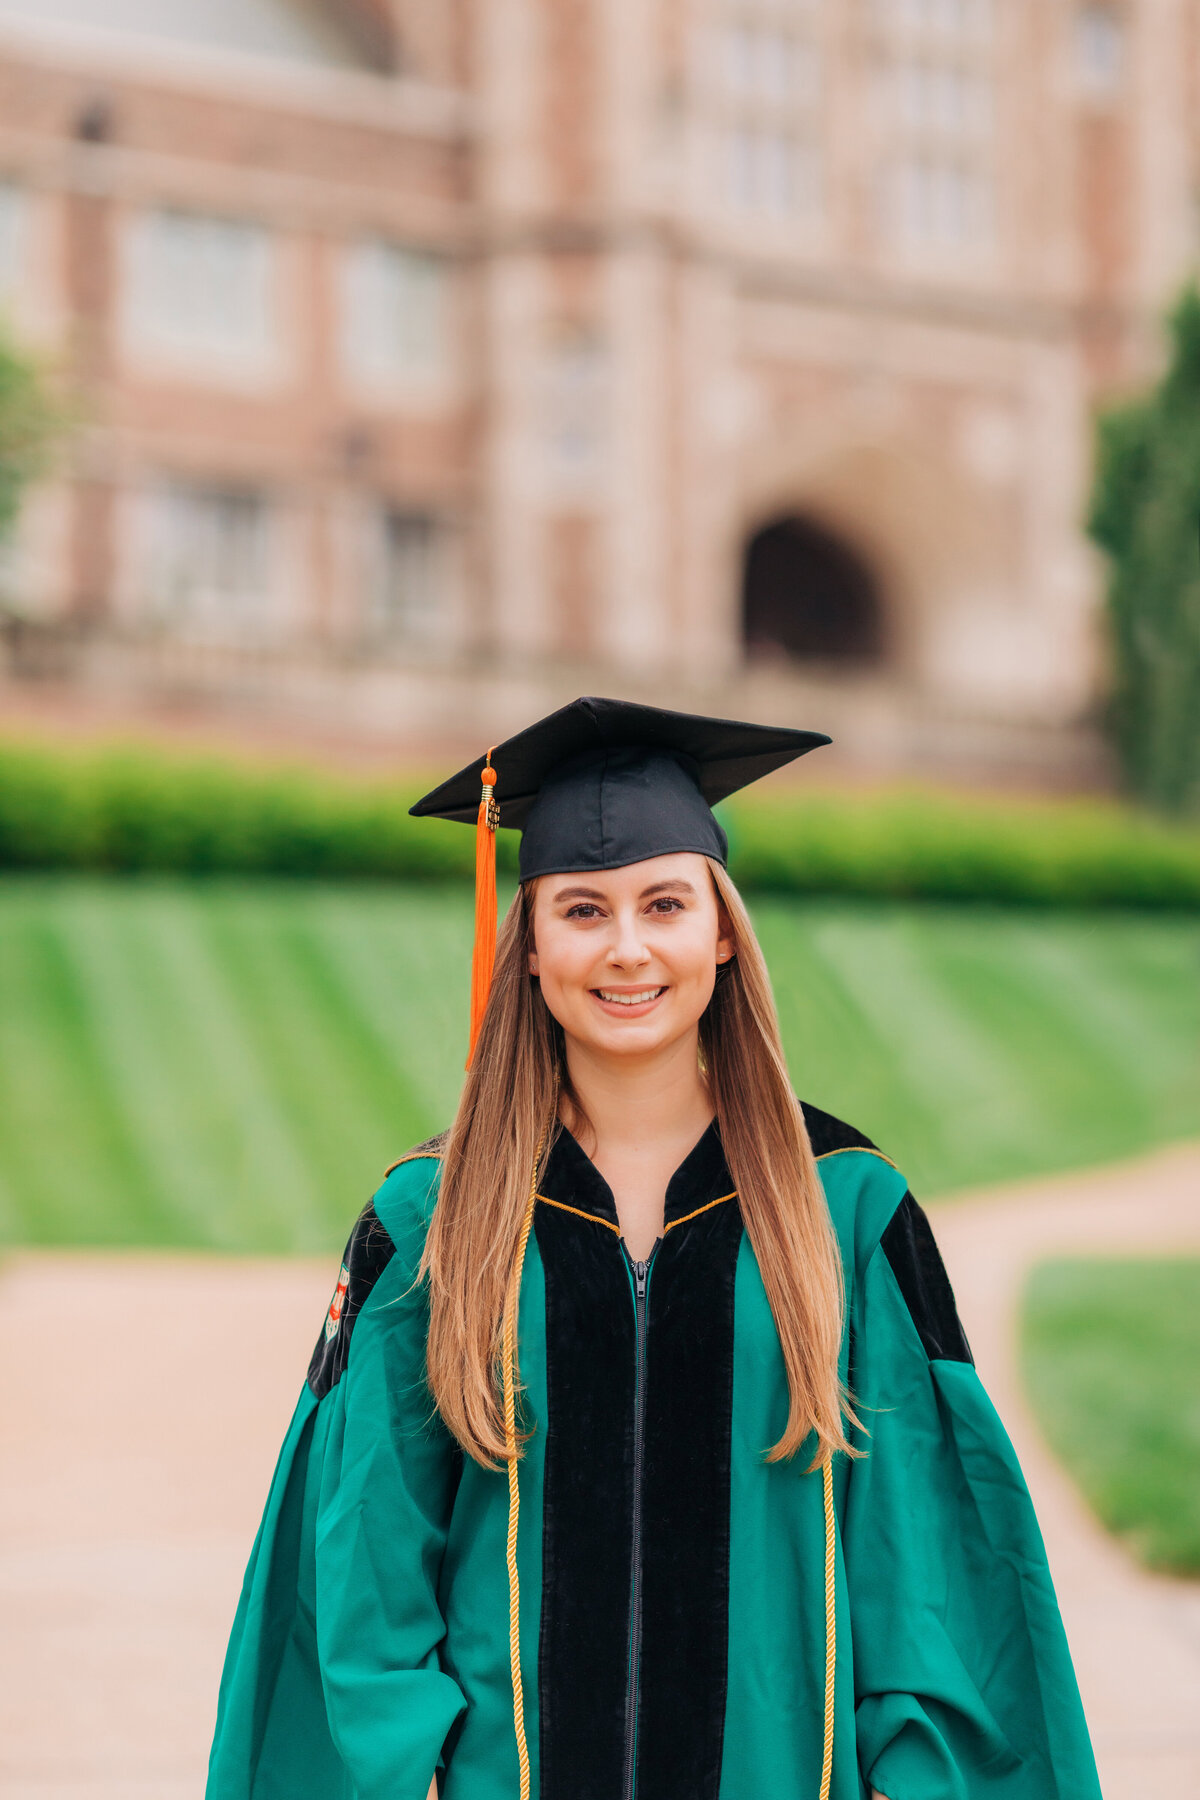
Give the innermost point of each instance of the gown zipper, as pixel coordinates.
(641, 1282)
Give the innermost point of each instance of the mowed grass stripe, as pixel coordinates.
(828, 1029)
(1118, 1031)
(150, 1090)
(1153, 978)
(1060, 1057)
(970, 1090)
(66, 1150)
(260, 1189)
(415, 1006)
(1101, 1062)
(330, 1073)
(990, 1043)
(233, 1063)
(179, 1077)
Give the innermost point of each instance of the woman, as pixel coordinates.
(642, 1454)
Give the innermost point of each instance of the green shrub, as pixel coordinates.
(932, 847)
(1146, 514)
(127, 810)
(122, 809)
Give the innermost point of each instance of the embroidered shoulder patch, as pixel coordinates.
(333, 1317)
(368, 1254)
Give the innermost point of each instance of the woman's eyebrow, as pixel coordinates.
(668, 887)
(656, 887)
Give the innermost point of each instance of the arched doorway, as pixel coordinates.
(808, 596)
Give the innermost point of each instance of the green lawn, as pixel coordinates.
(1111, 1359)
(233, 1063)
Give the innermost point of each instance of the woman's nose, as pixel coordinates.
(628, 949)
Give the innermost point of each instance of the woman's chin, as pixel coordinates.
(604, 1035)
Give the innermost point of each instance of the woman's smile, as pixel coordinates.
(631, 1001)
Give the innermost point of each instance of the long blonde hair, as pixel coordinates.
(507, 1109)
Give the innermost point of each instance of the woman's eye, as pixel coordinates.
(665, 904)
(583, 909)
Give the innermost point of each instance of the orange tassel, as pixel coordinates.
(484, 956)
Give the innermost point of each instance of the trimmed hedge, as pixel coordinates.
(131, 810)
(934, 847)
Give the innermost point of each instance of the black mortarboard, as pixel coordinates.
(601, 784)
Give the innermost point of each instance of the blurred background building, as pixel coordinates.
(440, 361)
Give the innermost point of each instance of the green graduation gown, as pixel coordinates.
(666, 1595)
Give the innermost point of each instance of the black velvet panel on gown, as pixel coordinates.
(586, 1541)
(584, 1652)
(911, 1249)
(685, 1581)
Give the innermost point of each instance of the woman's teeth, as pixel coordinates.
(631, 999)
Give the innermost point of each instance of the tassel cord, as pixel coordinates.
(512, 1305)
(483, 958)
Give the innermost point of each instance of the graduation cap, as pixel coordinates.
(597, 785)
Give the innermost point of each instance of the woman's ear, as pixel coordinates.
(726, 942)
(529, 890)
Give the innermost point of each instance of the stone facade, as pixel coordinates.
(443, 362)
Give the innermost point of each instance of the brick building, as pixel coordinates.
(442, 360)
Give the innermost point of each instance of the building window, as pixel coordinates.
(207, 574)
(769, 173)
(766, 86)
(937, 202)
(406, 597)
(933, 125)
(393, 312)
(200, 286)
(941, 101)
(950, 21)
(1099, 50)
(575, 397)
(12, 237)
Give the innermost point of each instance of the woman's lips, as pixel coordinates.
(628, 1003)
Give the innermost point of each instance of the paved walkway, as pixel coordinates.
(1135, 1637)
(135, 1452)
(146, 1397)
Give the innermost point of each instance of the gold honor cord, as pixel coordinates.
(830, 1630)
(514, 1492)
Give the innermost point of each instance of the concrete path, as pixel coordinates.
(145, 1398)
(1135, 1638)
(144, 1403)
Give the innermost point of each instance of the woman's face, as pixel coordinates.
(627, 957)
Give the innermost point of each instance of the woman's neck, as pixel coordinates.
(638, 1104)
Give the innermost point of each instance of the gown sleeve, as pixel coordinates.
(332, 1688)
(964, 1688)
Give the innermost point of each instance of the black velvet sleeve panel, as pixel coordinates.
(368, 1254)
(909, 1245)
(827, 1133)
